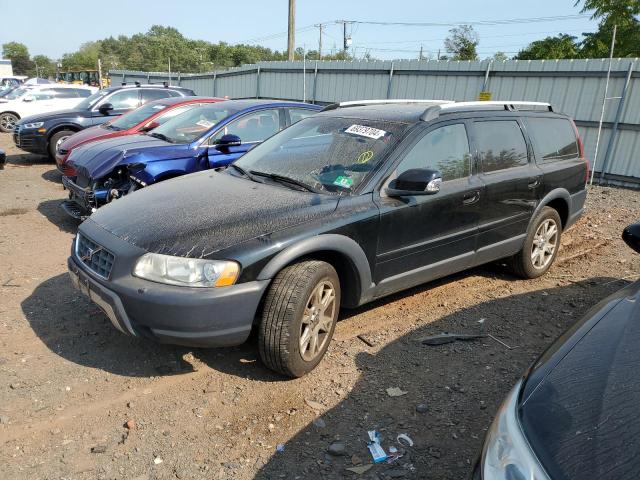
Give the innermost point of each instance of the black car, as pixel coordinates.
(574, 415)
(46, 132)
(341, 208)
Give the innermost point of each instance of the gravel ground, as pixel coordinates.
(78, 400)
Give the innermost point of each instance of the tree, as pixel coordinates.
(18, 53)
(462, 42)
(43, 66)
(560, 46)
(499, 57)
(624, 14)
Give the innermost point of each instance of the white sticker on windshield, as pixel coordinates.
(205, 123)
(364, 131)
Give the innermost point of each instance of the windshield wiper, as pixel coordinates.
(287, 181)
(244, 173)
(161, 136)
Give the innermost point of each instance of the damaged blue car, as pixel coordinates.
(206, 136)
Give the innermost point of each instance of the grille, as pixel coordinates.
(95, 257)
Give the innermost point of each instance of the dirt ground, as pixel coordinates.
(69, 382)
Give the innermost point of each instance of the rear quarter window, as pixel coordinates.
(553, 138)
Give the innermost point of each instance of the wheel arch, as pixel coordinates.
(343, 253)
(560, 200)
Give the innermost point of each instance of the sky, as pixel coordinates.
(55, 27)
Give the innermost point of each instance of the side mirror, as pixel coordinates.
(228, 140)
(416, 181)
(150, 126)
(105, 108)
(631, 236)
(28, 98)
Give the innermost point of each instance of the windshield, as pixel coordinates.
(136, 116)
(89, 102)
(17, 93)
(327, 153)
(194, 123)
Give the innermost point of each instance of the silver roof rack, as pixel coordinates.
(434, 111)
(391, 101)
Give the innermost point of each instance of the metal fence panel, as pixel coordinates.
(575, 87)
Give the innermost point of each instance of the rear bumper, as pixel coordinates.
(199, 317)
(576, 209)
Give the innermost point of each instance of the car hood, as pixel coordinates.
(582, 418)
(200, 214)
(97, 159)
(89, 135)
(58, 114)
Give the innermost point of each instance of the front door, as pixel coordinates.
(252, 128)
(123, 101)
(428, 236)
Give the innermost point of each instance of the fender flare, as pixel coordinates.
(557, 193)
(329, 242)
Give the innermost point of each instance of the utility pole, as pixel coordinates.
(291, 41)
(321, 27)
(420, 57)
(346, 41)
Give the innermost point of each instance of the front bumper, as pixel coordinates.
(30, 141)
(81, 200)
(199, 317)
(63, 166)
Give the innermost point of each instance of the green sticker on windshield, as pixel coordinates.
(343, 181)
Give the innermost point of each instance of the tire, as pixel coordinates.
(8, 121)
(284, 322)
(56, 139)
(530, 262)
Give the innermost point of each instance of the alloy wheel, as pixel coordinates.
(7, 122)
(544, 244)
(317, 320)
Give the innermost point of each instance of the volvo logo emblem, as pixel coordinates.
(89, 254)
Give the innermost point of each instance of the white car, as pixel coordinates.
(39, 99)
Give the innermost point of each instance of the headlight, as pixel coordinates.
(507, 454)
(33, 125)
(186, 272)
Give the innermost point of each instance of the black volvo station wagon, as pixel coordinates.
(357, 202)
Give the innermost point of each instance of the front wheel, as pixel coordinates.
(541, 245)
(57, 139)
(8, 122)
(299, 316)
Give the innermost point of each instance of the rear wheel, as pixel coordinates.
(8, 121)
(299, 317)
(540, 246)
(56, 140)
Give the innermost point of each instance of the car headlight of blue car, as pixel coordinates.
(33, 125)
(186, 272)
(507, 454)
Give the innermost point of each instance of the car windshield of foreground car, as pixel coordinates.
(192, 124)
(331, 154)
(90, 101)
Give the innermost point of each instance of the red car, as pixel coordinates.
(142, 119)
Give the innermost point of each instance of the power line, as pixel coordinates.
(397, 42)
(475, 23)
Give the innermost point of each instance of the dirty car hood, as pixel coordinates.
(197, 215)
(97, 159)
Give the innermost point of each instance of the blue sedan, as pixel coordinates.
(206, 136)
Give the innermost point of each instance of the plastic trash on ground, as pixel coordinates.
(377, 452)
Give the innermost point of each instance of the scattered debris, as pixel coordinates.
(500, 342)
(404, 439)
(395, 392)
(4, 419)
(157, 461)
(337, 449)
(315, 405)
(130, 424)
(365, 340)
(356, 460)
(320, 423)
(280, 448)
(444, 338)
(422, 408)
(377, 452)
(360, 469)
(99, 449)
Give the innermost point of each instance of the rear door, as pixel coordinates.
(252, 128)
(151, 94)
(428, 236)
(512, 184)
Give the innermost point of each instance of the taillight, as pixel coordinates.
(581, 150)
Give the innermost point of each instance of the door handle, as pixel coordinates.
(534, 181)
(471, 197)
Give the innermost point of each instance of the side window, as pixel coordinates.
(174, 93)
(297, 114)
(83, 92)
(553, 138)
(65, 93)
(151, 94)
(253, 127)
(39, 95)
(445, 149)
(500, 145)
(124, 99)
